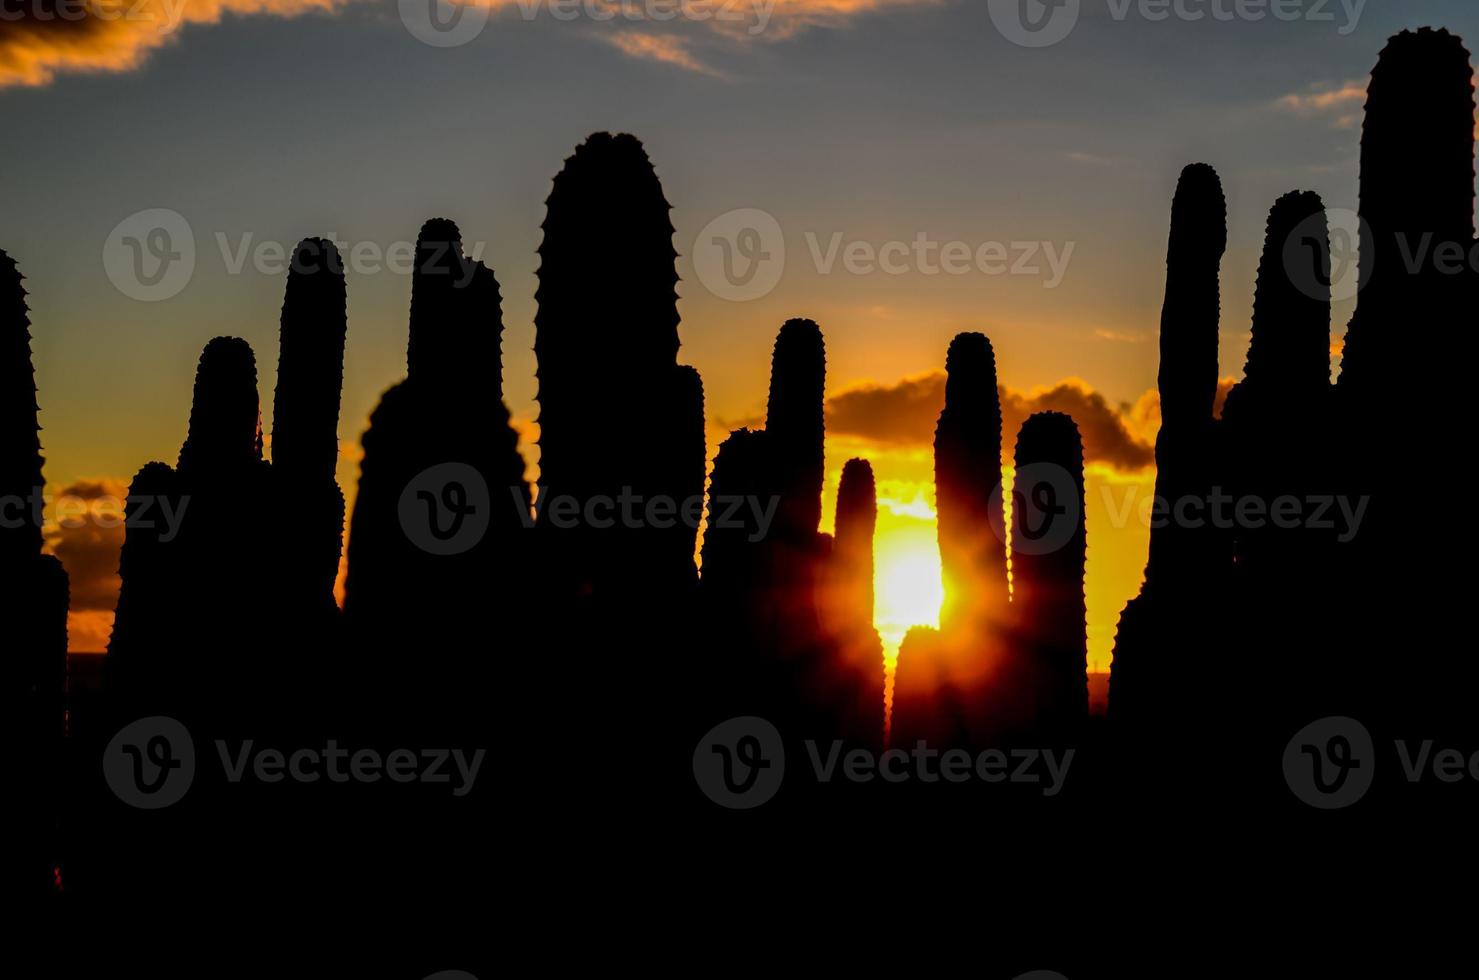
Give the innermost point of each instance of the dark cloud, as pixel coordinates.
(904, 414)
(85, 531)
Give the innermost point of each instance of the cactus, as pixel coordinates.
(1048, 573)
(852, 548)
(34, 597)
(794, 417)
(968, 489)
(305, 430)
(1417, 194)
(225, 434)
(1186, 566)
(310, 365)
(606, 335)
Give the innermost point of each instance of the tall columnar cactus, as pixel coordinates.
(34, 596)
(852, 549)
(968, 488)
(438, 441)
(305, 432)
(1288, 362)
(225, 416)
(1417, 199)
(732, 550)
(21, 482)
(795, 419)
(1184, 574)
(1188, 372)
(310, 363)
(1275, 421)
(607, 336)
(1049, 549)
(1410, 331)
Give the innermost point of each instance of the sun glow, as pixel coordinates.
(906, 581)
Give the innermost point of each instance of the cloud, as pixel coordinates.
(40, 39)
(1341, 101)
(669, 49)
(85, 530)
(904, 414)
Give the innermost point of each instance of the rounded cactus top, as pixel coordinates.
(1050, 437)
(1198, 216)
(314, 255)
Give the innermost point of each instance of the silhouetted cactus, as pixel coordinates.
(1419, 293)
(1049, 550)
(305, 430)
(1276, 421)
(310, 363)
(1188, 372)
(1417, 198)
(607, 336)
(1185, 572)
(795, 419)
(427, 438)
(225, 415)
(852, 544)
(34, 596)
(21, 483)
(968, 489)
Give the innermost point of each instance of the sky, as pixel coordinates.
(870, 134)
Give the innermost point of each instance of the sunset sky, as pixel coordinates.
(876, 120)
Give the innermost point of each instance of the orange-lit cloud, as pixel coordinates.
(40, 39)
(669, 49)
(1341, 101)
(84, 529)
(905, 413)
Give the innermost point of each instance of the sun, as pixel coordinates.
(906, 582)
